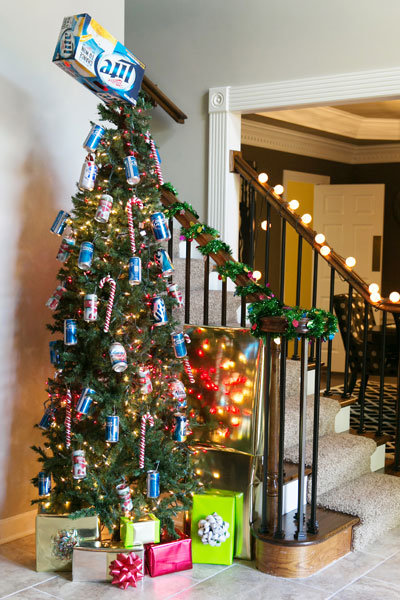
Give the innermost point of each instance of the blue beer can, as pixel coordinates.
(163, 261)
(70, 332)
(160, 227)
(179, 434)
(88, 176)
(85, 256)
(85, 401)
(135, 270)
(44, 483)
(93, 138)
(47, 419)
(55, 357)
(131, 170)
(178, 342)
(153, 484)
(158, 156)
(159, 311)
(112, 429)
(181, 404)
(60, 223)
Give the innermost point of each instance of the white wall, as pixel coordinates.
(44, 118)
(191, 46)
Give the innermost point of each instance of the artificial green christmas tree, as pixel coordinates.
(86, 377)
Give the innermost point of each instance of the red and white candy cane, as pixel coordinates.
(113, 285)
(129, 204)
(142, 442)
(186, 363)
(155, 156)
(67, 421)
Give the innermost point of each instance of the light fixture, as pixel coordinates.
(325, 250)
(306, 218)
(320, 238)
(350, 261)
(294, 204)
(263, 178)
(257, 275)
(264, 225)
(278, 189)
(394, 297)
(373, 288)
(375, 297)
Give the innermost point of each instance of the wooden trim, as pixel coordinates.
(158, 97)
(378, 439)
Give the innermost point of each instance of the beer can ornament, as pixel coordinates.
(60, 223)
(104, 209)
(85, 256)
(88, 175)
(112, 429)
(118, 357)
(124, 493)
(54, 300)
(131, 170)
(175, 292)
(67, 243)
(153, 484)
(70, 332)
(47, 419)
(179, 345)
(179, 434)
(135, 270)
(93, 138)
(177, 389)
(78, 464)
(90, 308)
(85, 401)
(164, 263)
(159, 311)
(44, 483)
(159, 226)
(54, 348)
(146, 387)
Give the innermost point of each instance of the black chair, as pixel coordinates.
(373, 356)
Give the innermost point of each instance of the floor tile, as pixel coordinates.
(386, 546)
(30, 594)
(343, 571)
(16, 577)
(366, 588)
(389, 570)
(200, 572)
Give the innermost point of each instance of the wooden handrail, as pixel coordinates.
(158, 97)
(240, 166)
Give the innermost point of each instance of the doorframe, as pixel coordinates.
(228, 103)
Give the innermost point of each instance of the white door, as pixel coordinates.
(351, 218)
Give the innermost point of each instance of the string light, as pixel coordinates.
(320, 238)
(263, 178)
(325, 250)
(278, 189)
(350, 261)
(306, 218)
(257, 275)
(294, 204)
(373, 288)
(394, 297)
(264, 225)
(375, 297)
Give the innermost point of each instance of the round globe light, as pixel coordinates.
(263, 178)
(294, 204)
(325, 250)
(278, 189)
(350, 261)
(375, 297)
(264, 225)
(320, 238)
(373, 288)
(307, 218)
(257, 275)
(394, 297)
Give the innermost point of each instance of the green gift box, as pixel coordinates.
(229, 506)
(145, 530)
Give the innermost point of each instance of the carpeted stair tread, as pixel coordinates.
(328, 411)
(374, 498)
(342, 457)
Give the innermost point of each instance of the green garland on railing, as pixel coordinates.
(214, 246)
(195, 229)
(177, 207)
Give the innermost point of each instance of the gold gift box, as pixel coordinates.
(91, 560)
(48, 526)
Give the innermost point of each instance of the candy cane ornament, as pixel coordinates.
(131, 202)
(113, 285)
(155, 156)
(188, 369)
(142, 443)
(67, 421)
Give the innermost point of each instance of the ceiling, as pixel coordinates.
(389, 109)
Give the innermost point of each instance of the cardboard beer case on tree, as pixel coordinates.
(90, 54)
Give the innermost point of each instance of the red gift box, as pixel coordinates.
(169, 556)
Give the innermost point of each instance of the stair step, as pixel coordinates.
(290, 471)
(343, 401)
(328, 411)
(378, 439)
(390, 468)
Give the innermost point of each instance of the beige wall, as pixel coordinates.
(44, 118)
(191, 46)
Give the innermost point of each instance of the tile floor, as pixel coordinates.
(359, 575)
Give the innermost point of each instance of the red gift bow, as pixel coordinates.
(126, 570)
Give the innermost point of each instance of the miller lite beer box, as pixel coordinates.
(96, 59)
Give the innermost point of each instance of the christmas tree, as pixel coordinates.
(116, 407)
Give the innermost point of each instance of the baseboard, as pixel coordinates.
(17, 526)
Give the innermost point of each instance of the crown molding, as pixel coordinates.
(295, 142)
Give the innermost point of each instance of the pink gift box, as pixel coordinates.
(169, 557)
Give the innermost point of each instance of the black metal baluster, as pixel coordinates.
(243, 311)
(382, 374)
(279, 533)
(171, 240)
(329, 352)
(283, 256)
(363, 384)
(347, 345)
(397, 442)
(314, 296)
(223, 302)
(267, 377)
(187, 281)
(300, 534)
(267, 243)
(298, 289)
(206, 291)
(252, 237)
(312, 525)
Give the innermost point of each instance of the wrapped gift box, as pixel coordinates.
(91, 560)
(48, 528)
(169, 556)
(225, 505)
(144, 530)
